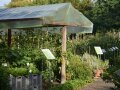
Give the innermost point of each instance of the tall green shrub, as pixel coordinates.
(78, 69)
(110, 74)
(4, 79)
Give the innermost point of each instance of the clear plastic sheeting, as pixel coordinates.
(54, 15)
(29, 12)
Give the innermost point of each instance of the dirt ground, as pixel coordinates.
(99, 84)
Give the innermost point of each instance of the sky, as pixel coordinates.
(3, 2)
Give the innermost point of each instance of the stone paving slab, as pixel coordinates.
(99, 84)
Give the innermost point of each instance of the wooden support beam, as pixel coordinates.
(63, 66)
(9, 37)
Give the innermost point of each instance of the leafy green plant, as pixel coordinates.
(94, 62)
(116, 81)
(104, 40)
(23, 71)
(4, 79)
(70, 85)
(110, 74)
(82, 71)
(18, 71)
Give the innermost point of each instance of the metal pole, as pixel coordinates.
(114, 57)
(49, 74)
(41, 80)
(98, 56)
(89, 50)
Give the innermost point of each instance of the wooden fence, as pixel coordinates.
(32, 82)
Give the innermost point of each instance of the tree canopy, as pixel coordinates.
(81, 5)
(106, 14)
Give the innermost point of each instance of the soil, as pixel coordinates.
(99, 84)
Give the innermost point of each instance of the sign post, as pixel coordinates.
(48, 54)
(98, 51)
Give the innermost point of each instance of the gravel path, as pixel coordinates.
(99, 84)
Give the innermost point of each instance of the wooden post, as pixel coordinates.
(119, 34)
(9, 37)
(63, 66)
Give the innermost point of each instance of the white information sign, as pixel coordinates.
(48, 54)
(98, 50)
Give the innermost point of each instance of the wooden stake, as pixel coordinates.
(63, 66)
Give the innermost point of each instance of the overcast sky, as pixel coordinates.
(3, 2)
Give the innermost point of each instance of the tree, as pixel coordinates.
(106, 15)
(19, 3)
(82, 5)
